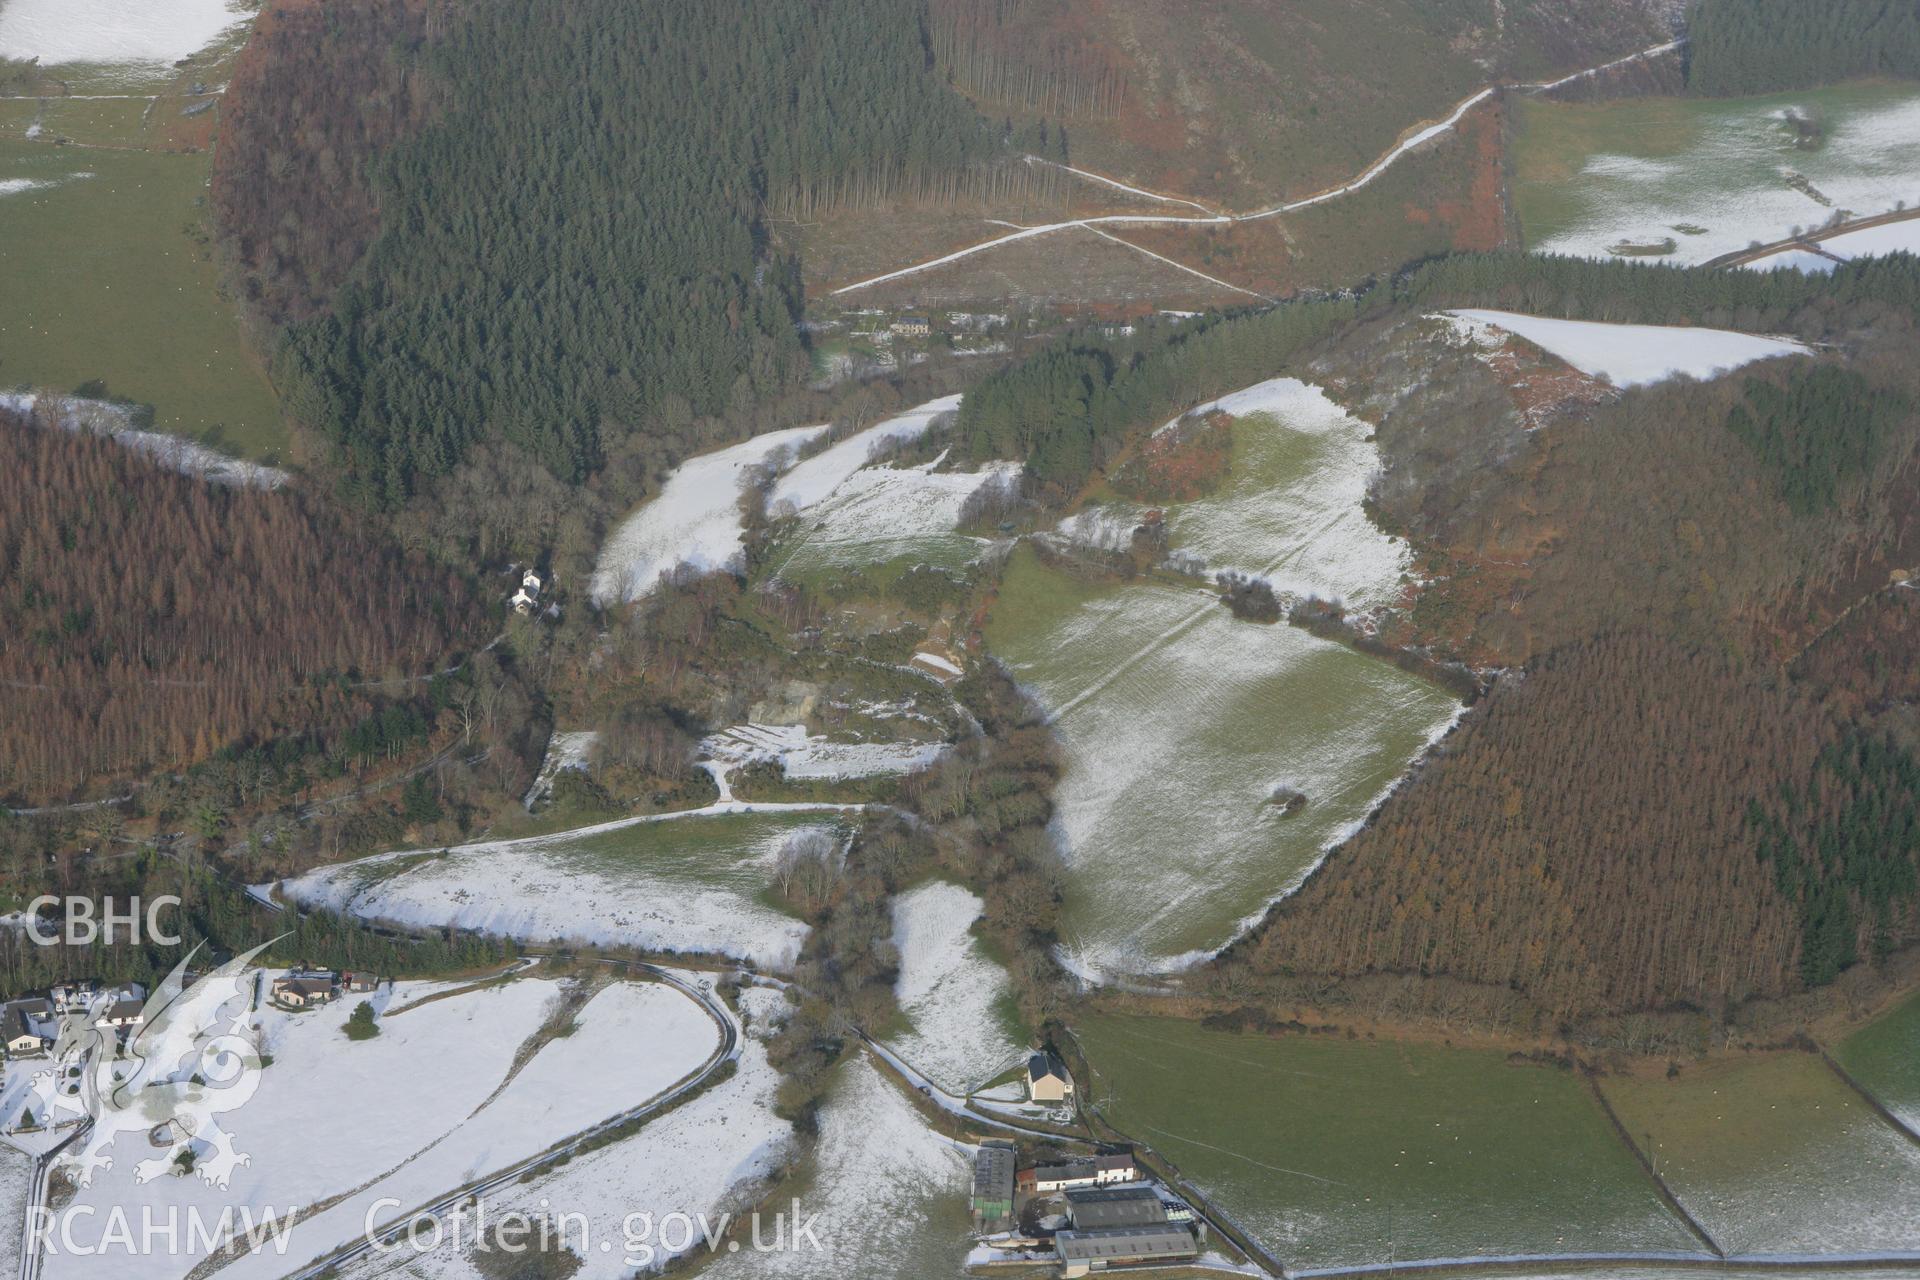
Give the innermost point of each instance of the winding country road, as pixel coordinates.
(394, 1229)
(1811, 242)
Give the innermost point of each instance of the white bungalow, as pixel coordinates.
(122, 1013)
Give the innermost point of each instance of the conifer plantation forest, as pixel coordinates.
(251, 616)
(621, 272)
(1343, 575)
(518, 268)
(1759, 46)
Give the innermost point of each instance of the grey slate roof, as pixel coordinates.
(1125, 1206)
(123, 1010)
(1113, 1244)
(993, 1174)
(20, 1016)
(1042, 1065)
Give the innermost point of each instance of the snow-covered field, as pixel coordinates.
(694, 520)
(1869, 242)
(890, 1193)
(1291, 511)
(804, 756)
(150, 32)
(564, 751)
(654, 1034)
(813, 480)
(1794, 260)
(1713, 177)
(853, 512)
(429, 1104)
(950, 992)
(1891, 237)
(879, 513)
(112, 420)
(1180, 722)
(16, 1186)
(1630, 355)
(713, 1154)
(690, 885)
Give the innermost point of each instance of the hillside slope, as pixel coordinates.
(1589, 813)
(1200, 109)
(572, 240)
(317, 93)
(155, 618)
(1696, 783)
(1246, 103)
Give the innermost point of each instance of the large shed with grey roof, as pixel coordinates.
(993, 1186)
(1135, 1205)
(1082, 1252)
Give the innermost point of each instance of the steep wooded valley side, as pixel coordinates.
(1693, 783)
(488, 372)
(318, 93)
(158, 619)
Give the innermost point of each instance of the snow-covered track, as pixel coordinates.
(1409, 142)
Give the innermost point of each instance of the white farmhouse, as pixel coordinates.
(527, 598)
(1047, 1078)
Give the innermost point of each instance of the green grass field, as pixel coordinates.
(93, 122)
(1179, 722)
(1335, 1152)
(1884, 1056)
(809, 560)
(1709, 175)
(107, 275)
(1776, 1155)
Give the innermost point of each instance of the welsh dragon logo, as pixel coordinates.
(188, 1063)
